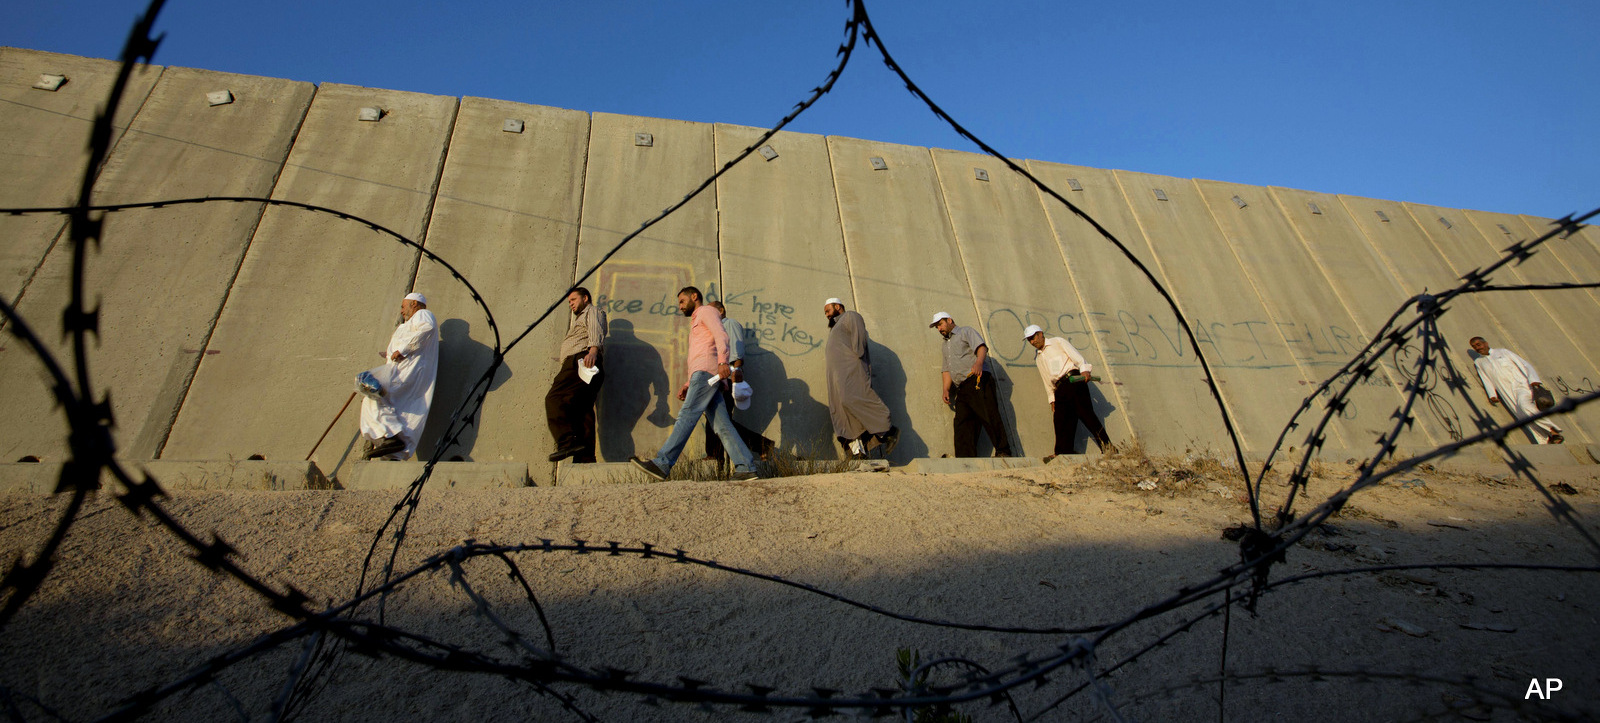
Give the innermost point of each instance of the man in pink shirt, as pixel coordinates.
(708, 364)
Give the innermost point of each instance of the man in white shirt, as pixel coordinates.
(1510, 379)
(1066, 385)
(393, 425)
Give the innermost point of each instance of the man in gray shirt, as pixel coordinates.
(970, 389)
(759, 445)
(569, 405)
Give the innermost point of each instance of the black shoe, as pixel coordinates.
(888, 440)
(649, 467)
(744, 476)
(386, 447)
(564, 452)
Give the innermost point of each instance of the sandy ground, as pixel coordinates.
(1061, 545)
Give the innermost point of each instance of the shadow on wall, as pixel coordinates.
(806, 432)
(1103, 409)
(1008, 412)
(462, 360)
(636, 375)
(889, 381)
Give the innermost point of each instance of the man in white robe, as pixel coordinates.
(393, 425)
(1509, 379)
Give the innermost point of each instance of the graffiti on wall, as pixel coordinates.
(1131, 338)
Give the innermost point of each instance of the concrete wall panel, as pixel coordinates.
(1363, 283)
(1574, 310)
(782, 255)
(1311, 317)
(161, 274)
(45, 145)
(1418, 264)
(506, 216)
(627, 184)
(317, 296)
(905, 267)
(1577, 252)
(1124, 327)
(1019, 277)
(1256, 369)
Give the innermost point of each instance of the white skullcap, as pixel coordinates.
(741, 395)
(1030, 331)
(834, 300)
(939, 317)
(419, 298)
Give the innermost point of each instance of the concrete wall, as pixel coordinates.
(235, 330)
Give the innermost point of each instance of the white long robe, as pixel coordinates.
(406, 401)
(1507, 376)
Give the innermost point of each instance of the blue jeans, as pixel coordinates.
(703, 399)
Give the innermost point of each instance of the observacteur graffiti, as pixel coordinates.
(1131, 338)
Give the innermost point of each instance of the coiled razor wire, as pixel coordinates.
(92, 450)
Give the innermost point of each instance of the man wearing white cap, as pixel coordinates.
(1066, 385)
(976, 404)
(393, 425)
(736, 394)
(859, 417)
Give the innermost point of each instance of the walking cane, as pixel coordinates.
(330, 426)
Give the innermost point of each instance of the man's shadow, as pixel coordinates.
(633, 369)
(462, 362)
(805, 430)
(889, 381)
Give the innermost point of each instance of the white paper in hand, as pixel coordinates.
(586, 373)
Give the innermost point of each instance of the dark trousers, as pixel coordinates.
(569, 408)
(758, 445)
(977, 405)
(1072, 406)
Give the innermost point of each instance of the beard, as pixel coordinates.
(832, 320)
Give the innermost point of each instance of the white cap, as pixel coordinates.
(938, 317)
(741, 395)
(1030, 331)
(834, 300)
(419, 298)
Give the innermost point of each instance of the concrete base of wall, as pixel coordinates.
(955, 465)
(258, 475)
(446, 475)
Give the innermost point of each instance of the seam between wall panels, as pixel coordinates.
(211, 328)
(1349, 311)
(844, 241)
(1166, 280)
(583, 196)
(55, 239)
(1335, 430)
(1083, 306)
(716, 209)
(433, 198)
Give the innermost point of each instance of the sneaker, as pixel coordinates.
(386, 447)
(889, 439)
(649, 467)
(744, 476)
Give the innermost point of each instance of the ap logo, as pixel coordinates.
(1551, 685)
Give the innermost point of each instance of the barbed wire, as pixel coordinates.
(92, 453)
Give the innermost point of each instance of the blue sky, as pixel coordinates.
(1465, 103)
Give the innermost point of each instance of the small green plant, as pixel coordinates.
(912, 679)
